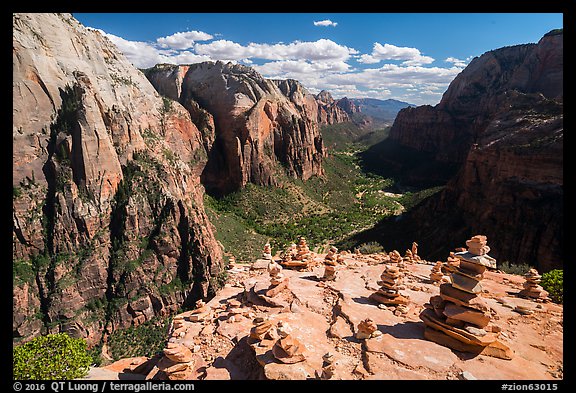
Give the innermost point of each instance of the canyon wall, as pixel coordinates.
(109, 228)
(255, 126)
(500, 126)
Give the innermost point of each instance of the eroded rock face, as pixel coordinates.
(501, 122)
(108, 202)
(473, 101)
(257, 123)
(332, 111)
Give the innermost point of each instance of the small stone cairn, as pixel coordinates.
(437, 276)
(178, 362)
(299, 259)
(532, 288)
(452, 263)
(277, 280)
(275, 272)
(389, 292)
(277, 337)
(330, 261)
(328, 367)
(267, 253)
(367, 329)
(200, 313)
(411, 255)
(459, 318)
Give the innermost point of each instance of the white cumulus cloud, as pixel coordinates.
(409, 56)
(322, 49)
(457, 62)
(145, 54)
(325, 22)
(318, 65)
(183, 40)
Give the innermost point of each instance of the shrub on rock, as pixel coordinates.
(54, 356)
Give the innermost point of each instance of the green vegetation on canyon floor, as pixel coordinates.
(326, 210)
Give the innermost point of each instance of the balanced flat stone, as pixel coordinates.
(480, 319)
(495, 349)
(465, 283)
(466, 299)
(430, 319)
(484, 260)
(472, 267)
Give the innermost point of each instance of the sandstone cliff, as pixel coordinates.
(252, 124)
(331, 111)
(445, 132)
(500, 126)
(109, 228)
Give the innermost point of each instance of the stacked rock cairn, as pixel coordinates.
(367, 329)
(389, 293)
(532, 288)
(275, 272)
(411, 255)
(330, 261)
(437, 276)
(459, 318)
(267, 253)
(276, 336)
(302, 250)
(299, 257)
(200, 313)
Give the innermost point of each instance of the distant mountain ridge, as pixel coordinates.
(380, 109)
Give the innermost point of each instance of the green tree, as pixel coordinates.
(553, 283)
(54, 356)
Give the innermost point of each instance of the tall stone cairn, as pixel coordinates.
(459, 318)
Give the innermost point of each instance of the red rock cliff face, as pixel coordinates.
(447, 130)
(509, 185)
(509, 188)
(109, 228)
(332, 111)
(256, 125)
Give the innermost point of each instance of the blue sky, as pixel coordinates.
(409, 57)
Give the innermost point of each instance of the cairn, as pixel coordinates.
(275, 272)
(302, 250)
(459, 318)
(395, 257)
(299, 257)
(411, 255)
(200, 313)
(328, 367)
(289, 350)
(277, 280)
(330, 261)
(390, 283)
(235, 310)
(367, 329)
(532, 288)
(263, 329)
(437, 276)
(452, 263)
(180, 365)
(267, 253)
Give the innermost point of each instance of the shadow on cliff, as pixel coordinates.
(411, 169)
(437, 231)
